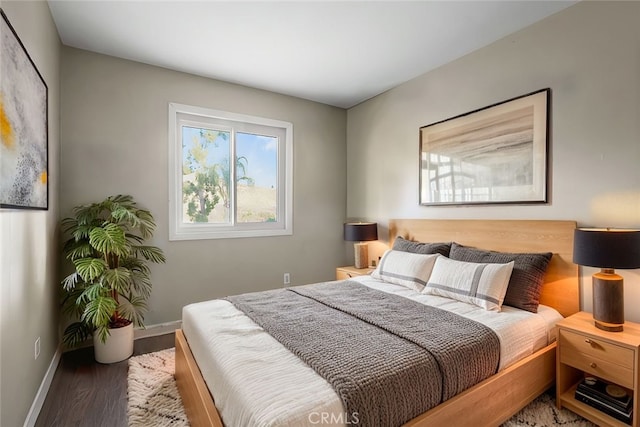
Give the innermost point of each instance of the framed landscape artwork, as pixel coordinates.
(497, 154)
(23, 126)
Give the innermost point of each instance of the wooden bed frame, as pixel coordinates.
(492, 401)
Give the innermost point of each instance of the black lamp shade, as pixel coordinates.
(360, 231)
(606, 248)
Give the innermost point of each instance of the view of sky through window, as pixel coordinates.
(206, 174)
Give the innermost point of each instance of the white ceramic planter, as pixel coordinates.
(118, 347)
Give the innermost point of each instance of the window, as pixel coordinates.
(230, 175)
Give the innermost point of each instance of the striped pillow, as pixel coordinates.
(527, 277)
(481, 284)
(405, 269)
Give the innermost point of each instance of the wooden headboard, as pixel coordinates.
(560, 290)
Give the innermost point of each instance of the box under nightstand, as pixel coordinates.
(343, 273)
(613, 357)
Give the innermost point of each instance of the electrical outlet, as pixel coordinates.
(287, 278)
(36, 348)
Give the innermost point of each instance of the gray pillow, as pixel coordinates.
(402, 244)
(527, 277)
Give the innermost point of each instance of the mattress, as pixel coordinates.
(255, 381)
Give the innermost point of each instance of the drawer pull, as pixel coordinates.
(593, 365)
(592, 343)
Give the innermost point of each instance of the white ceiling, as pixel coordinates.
(335, 52)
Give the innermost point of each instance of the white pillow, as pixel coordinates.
(405, 269)
(481, 284)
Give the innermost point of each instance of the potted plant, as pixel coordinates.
(108, 290)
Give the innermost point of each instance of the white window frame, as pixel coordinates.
(178, 229)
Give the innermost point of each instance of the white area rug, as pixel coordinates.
(154, 399)
(542, 412)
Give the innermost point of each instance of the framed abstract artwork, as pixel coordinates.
(24, 175)
(497, 154)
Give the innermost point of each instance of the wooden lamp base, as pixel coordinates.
(608, 301)
(361, 255)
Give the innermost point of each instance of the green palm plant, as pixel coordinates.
(111, 280)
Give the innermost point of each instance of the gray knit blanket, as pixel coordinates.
(388, 358)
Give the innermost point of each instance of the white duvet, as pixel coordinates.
(255, 381)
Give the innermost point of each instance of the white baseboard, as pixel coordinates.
(138, 333)
(157, 329)
(41, 395)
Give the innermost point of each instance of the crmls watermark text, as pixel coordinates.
(333, 418)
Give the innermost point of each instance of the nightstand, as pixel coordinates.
(610, 356)
(343, 273)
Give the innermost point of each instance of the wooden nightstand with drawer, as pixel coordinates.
(343, 273)
(612, 357)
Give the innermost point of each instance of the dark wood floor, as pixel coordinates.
(86, 393)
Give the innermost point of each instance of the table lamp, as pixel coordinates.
(360, 232)
(607, 249)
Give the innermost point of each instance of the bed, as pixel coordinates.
(494, 399)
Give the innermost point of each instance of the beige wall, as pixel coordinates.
(29, 244)
(589, 55)
(114, 140)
